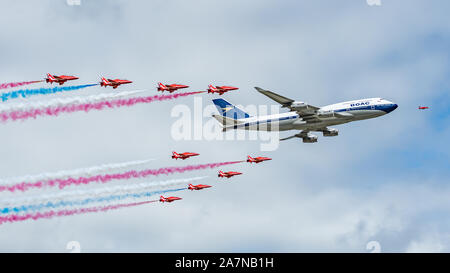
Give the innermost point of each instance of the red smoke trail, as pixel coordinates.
(86, 107)
(50, 214)
(104, 178)
(15, 84)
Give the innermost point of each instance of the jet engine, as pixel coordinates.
(330, 132)
(310, 138)
(299, 105)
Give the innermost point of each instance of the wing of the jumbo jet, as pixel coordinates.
(302, 134)
(285, 102)
(306, 112)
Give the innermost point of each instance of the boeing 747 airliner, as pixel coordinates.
(302, 116)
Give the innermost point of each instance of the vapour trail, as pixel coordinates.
(86, 107)
(60, 102)
(104, 178)
(83, 202)
(41, 91)
(51, 214)
(16, 84)
(10, 204)
(75, 172)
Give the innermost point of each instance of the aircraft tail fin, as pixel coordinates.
(229, 111)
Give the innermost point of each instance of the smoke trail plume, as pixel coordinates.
(104, 178)
(41, 91)
(86, 106)
(75, 172)
(51, 214)
(83, 202)
(59, 102)
(16, 84)
(28, 202)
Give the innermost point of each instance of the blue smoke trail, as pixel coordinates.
(52, 205)
(41, 91)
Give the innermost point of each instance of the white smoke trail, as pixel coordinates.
(118, 190)
(75, 172)
(66, 101)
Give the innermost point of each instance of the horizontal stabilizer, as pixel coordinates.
(225, 121)
(229, 127)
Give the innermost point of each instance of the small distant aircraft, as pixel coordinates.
(228, 174)
(257, 159)
(169, 199)
(59, 79)
(423, 107)
(198, 187)
(220, 89)
(114, 83)
(183, 156)
(170, 87)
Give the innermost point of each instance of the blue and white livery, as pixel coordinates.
(302, 116)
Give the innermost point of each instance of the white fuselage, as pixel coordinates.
(329, 115)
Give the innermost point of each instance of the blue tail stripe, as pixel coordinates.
(228, 110)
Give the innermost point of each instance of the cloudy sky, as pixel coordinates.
(384, 180)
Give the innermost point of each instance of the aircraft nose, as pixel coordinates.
(392, 107)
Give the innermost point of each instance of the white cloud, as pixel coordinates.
(429, 244)
(333, 196)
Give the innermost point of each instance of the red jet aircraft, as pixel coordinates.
(227, 174)
(59, 79)
(114, 83)
(169, 199)
(198, 187)
(170, 87)
(183, 156)
(257, 159)
(423, 107)
(220, 89)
